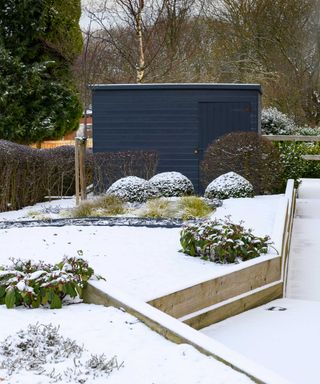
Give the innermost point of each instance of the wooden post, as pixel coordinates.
(77, 175)
(82, 169)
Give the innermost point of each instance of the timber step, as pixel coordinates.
(234, 306)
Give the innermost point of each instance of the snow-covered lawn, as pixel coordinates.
(147, 357)
(145, 263)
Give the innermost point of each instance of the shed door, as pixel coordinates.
(217, 119)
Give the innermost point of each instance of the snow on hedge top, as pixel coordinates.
(130, 188)
(169, 184)
(229, 185)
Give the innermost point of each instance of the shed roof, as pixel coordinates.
(177, 86)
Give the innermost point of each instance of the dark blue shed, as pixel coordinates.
(177, 120)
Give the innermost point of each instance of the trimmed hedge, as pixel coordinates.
(249, 155)
(28, 174)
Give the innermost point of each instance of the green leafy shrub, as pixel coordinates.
(248, 154)
(222, 241)
(294, 166)
(229, 185)
(34, 284)
(107, 205)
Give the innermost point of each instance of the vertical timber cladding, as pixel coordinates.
(179, 121)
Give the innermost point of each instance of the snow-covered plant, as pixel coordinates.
(222, 241)
(308, 131)
(41, 349)
(274, 122)
(229, 185)
(34, 284)
(170, 184)
(131, 188)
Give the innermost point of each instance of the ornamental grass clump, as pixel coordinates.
(159, 209)
(34, 284)
(222, 241)
(194, 206)
(106, 205)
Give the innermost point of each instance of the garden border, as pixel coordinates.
(266, 288)
(98, 292)
(209, 302)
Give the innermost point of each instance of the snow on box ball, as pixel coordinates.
(170, 184)
(229, 185)
(130, 188)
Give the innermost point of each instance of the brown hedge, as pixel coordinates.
(29, 174)
(249, 155)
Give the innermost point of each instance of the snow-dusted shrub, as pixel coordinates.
(170, 184)
(229, 185)
(248, 154)
(41, 349)
(222, 241)
(274, 122)
(131, 188)
(32, 285)
(308, 131)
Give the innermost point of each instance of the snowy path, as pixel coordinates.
(285, 340)
(303, 280)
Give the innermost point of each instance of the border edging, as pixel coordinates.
(173, 330)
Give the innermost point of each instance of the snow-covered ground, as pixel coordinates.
(144, 262)
(147, 357)
(285, 340)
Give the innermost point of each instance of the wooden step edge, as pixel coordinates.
(234, 306)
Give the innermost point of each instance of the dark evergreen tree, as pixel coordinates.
(39, 41)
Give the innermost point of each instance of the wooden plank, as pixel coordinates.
(311, 157)
(234, 307)
(178, 333)
(216, 290)
(291, 138)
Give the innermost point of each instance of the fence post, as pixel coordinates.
(77, 175)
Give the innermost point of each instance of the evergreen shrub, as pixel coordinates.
(170, 184)
(222, 241)
(229, 185)
(131, 189)
(34, 284)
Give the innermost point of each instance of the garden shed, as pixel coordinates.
(179, 121)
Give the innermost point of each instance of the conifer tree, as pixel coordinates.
(39, 41)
